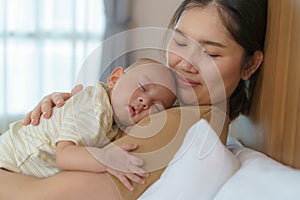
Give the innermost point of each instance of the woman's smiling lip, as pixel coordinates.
(183, 82)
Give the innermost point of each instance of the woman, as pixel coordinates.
(231, 32)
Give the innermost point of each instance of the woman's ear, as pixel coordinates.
(115, 76)
(255, 63)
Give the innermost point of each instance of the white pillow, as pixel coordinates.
(191, 176)
(260, 177)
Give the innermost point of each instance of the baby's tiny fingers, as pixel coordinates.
(129, 147)
(137, 170)
(136, 178)
(125, 182)
(145, 174)
(136, 161)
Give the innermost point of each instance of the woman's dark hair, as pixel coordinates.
(246, 20)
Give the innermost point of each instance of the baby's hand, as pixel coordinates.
(121, 164)
(126, 178)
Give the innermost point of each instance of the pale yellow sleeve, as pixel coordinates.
(88, 119)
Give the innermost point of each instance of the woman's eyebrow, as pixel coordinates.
(180, 32)
(212, 43)
(202, 42)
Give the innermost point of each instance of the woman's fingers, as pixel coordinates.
(58, 99)
(36, 115)
(76, 89)
(27, 119)
(46, 105)
(55, 99)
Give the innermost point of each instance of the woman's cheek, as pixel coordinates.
(173, 59)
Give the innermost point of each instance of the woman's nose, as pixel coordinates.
(187, 67)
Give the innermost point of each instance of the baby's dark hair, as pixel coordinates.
(145, 61)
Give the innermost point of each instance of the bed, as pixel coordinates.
(234, 172)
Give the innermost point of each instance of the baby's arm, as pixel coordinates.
(72, 157)
(114, 160)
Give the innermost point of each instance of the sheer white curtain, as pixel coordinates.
(42, 46)
(118, 17)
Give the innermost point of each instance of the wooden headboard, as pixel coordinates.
(275, 111)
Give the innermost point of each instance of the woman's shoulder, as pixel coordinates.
(215, 116)
(203, 111)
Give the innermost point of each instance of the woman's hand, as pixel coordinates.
(126, 167)
(45, 106)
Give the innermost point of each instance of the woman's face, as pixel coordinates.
(205, 57)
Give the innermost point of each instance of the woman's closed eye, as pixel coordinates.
(181, 44)
(211, 54)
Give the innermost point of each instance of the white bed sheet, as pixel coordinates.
(260, 178)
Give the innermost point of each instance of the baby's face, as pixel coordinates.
(141, 91)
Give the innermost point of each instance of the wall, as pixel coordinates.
(155, 13)
(275, 117)
(151, 13)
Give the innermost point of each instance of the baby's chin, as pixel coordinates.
(124, 122)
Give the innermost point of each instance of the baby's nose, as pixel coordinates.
(145, 101)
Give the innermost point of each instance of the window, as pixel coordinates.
(42, 46)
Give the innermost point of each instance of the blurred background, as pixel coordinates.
(43, 43)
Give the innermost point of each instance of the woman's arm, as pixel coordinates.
(45, 106)
(66, 185)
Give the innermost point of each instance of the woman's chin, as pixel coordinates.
(186, 97)
(188, 102)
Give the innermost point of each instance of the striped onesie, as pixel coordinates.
(86, 119)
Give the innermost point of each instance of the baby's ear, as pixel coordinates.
(114, 76)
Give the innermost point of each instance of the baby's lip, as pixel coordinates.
(131, 111)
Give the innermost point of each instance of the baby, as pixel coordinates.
(74, 137)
